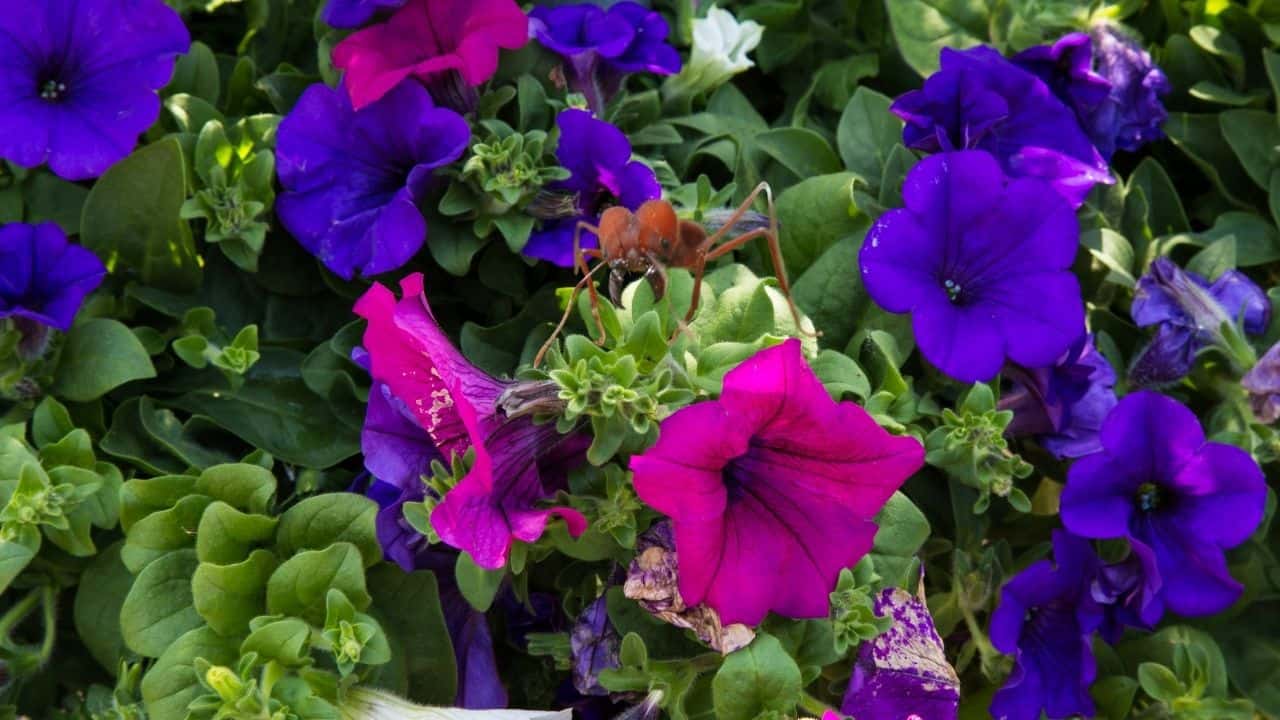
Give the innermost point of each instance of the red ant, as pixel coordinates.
(652, 239)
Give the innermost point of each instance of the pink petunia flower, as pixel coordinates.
(518, 463)
(771, 488)
(427, 38)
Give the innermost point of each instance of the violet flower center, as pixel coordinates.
(52, 90)
(1149, 497)
(735, 479)
(954, 289)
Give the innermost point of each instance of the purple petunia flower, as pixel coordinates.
(1109, 81)
(44, 278)
(601, 46)
(980, 100)
(1158, 483)
(771, 488)
(982, 263)
(354, 13)
(78, 79)
(353, 180)
(1045, 617)
(595, 645)
(1066, 67)
(1063, 405)
(903, 672)
(599, 157)
(1128, 592)
(1132, 115)
(518, 463)
(1190, 312)
(1263, 385)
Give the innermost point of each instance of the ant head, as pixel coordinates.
(619, 229)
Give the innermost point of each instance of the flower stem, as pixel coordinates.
(813, 705)
(18, 613)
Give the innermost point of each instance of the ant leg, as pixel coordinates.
(564, 319)
(775, 247)
(579, 256)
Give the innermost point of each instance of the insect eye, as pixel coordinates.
(666, 244)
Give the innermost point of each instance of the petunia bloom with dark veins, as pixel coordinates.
(600, 47)
(980, 100)
(44, 278)
(1158, 483)
(353, 179)
(599, 157)
(1262, 382)
(1063, 405)
(983, 264)
(1128, 592)
(1045, 618)
(518, 463)
(78, 79)
(428, 41)
(1110, 83)
(771, 489)
(1189, 313)
(903, 672)
(595, 644)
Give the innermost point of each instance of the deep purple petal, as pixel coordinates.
(354, 13)
(43, 277)
(353, 179)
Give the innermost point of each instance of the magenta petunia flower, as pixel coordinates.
(771, 488)
(1158, 483)
(78, 79)
(426, 38)
(44, 278)
(518, 463)
(983, 264)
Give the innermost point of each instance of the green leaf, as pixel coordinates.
(759, 678)
(923, 27)
(298, 587)
(407, 606)
(99, 598)
(226, 535)
(1256, 240)
(1112, 250)
(1200, 137)
(163, 532)
(320, 521)
(196, 73)
(158, 608)
(131, 219)
(141, 497)
(274, 410)
(16, 553)
(830, 292)
(813, 215)
(229, 596)
(51, 422)
(287, 640)
(478, 585)
(867, 133)
(99, 356)
(802, 151)
(1114, 695)
(1159, 682)
(1253, 135)
(243, 485)
(452, 244)
(171, 684)
(840, 374)
(902, 531)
